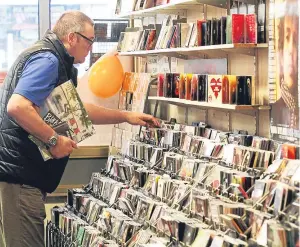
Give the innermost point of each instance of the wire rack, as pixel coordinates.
(107, 33)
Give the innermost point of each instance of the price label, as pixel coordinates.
(152, 64)
(164, 65)
(174, 65)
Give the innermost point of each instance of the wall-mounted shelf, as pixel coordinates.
(211, 50)
(209, 105)
(252, 62)
(175, 6)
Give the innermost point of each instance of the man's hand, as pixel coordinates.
(142, 119)
(63, 148)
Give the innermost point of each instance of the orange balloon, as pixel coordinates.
(106, 77)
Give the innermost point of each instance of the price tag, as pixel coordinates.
(163, 64)
(152, 65)
(174, 65)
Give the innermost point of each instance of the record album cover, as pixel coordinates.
(215, 89)
(175, 85)
(64, 109)
(244, 89)
(194, 87)
(202, 87)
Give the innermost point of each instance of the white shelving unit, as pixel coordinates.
(176, 5)
(211, 50)
(243, 59)
(209, 105)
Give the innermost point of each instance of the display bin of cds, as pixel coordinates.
(181, 185)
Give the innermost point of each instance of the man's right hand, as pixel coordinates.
(63, 148)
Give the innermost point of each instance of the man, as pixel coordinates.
(285, 111)
(24, 176)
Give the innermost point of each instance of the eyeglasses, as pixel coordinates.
(91, 41)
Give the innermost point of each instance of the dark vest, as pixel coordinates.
(20, 159)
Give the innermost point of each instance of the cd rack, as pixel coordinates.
(220, 192)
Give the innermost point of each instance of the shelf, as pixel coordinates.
(173, 7)
(209, 105)
(88, 152)
(176, 6)
(212, 50)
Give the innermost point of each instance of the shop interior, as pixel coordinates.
(223, 168)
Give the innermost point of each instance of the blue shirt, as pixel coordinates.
(39, 78)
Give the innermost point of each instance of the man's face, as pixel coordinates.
(82, 45)
(290, 50)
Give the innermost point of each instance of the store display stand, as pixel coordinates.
(254, 55)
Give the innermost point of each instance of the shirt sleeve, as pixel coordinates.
(39, 77)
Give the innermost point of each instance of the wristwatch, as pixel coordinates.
(52, 140)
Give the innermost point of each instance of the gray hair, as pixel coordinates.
(70, 22)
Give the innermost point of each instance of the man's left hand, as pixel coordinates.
(142, 119)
